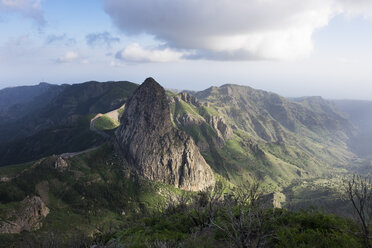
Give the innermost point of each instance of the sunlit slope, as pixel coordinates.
(246, 133)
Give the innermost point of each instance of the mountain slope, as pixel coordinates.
(241, 132)
(83, 193)
(22, 94)
(360, 114)
(223, 136)
(73, 101)
(17, 102)
(63, 123)
(247, 133)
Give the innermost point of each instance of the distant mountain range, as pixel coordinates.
(360, 114)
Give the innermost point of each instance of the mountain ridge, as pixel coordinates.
(61, 124)
(171, 146)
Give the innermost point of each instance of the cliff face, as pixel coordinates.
(158, 151)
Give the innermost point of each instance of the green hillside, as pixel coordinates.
(56, 140)
(95, 199)
(295, 150)
(62, 125)
(106, 123)
(92, 191)
(73, 101)
(273, 139)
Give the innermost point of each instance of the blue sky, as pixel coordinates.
(294, 48)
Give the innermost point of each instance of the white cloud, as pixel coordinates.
(232, 29)
(355, 7)
(69, 57)
(28, 8)
(136, 53)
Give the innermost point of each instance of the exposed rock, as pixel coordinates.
(60, 163)
(222, 130)
(27, 216)
(274, 200)
(4, 179)
(190, 99)
(190, 120)
(158, 151)
(221, 127)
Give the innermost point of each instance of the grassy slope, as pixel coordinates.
(94, 191)
(106, 123)
(266, 146)
(236, 160)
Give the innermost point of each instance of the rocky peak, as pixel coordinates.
(158, 151)
(147, 111)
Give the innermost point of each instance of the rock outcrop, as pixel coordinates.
(60, 163)
(27, 216)
(190, 99)
(223, 130)
(157, 150)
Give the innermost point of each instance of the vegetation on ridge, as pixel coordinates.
(106, 123)
(239, 217)
(297, 150)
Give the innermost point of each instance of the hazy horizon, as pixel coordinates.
(212, 85)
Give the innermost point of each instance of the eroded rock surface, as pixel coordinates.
(60, 163)
(26, 216)
(158, 151)
(223, 130)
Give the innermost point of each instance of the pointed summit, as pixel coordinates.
(157, 150)
(150, 80)
(150, 83)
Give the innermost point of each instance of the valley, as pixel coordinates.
(100, 156)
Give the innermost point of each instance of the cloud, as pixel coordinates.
(355, 7)
(135, 53)
(232, 30)
(28, 8)
(69, 57)
(51, 39)
(104, 38)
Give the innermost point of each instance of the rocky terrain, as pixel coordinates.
(149, 142)
(26, 216)
(160, 146)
